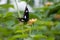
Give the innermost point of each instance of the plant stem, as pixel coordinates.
(17, 9)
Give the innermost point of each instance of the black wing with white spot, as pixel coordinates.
(25, 16)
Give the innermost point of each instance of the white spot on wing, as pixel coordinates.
(26, 11)
(22, 20)
(25, 17)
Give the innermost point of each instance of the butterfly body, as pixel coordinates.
(25, 16)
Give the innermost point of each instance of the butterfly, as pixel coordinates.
(25, 16)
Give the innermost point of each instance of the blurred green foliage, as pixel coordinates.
(43, 29)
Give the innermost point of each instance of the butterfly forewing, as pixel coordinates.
(26, 14)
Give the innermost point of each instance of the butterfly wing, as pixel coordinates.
(21, 19)
(26, 14)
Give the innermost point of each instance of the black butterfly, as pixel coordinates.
(25, 16)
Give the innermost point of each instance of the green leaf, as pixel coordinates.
(51, 38)
(7, 6)
(24, 30)
(8, 14)
(18, 36)
(39, 37)
(1, 15)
